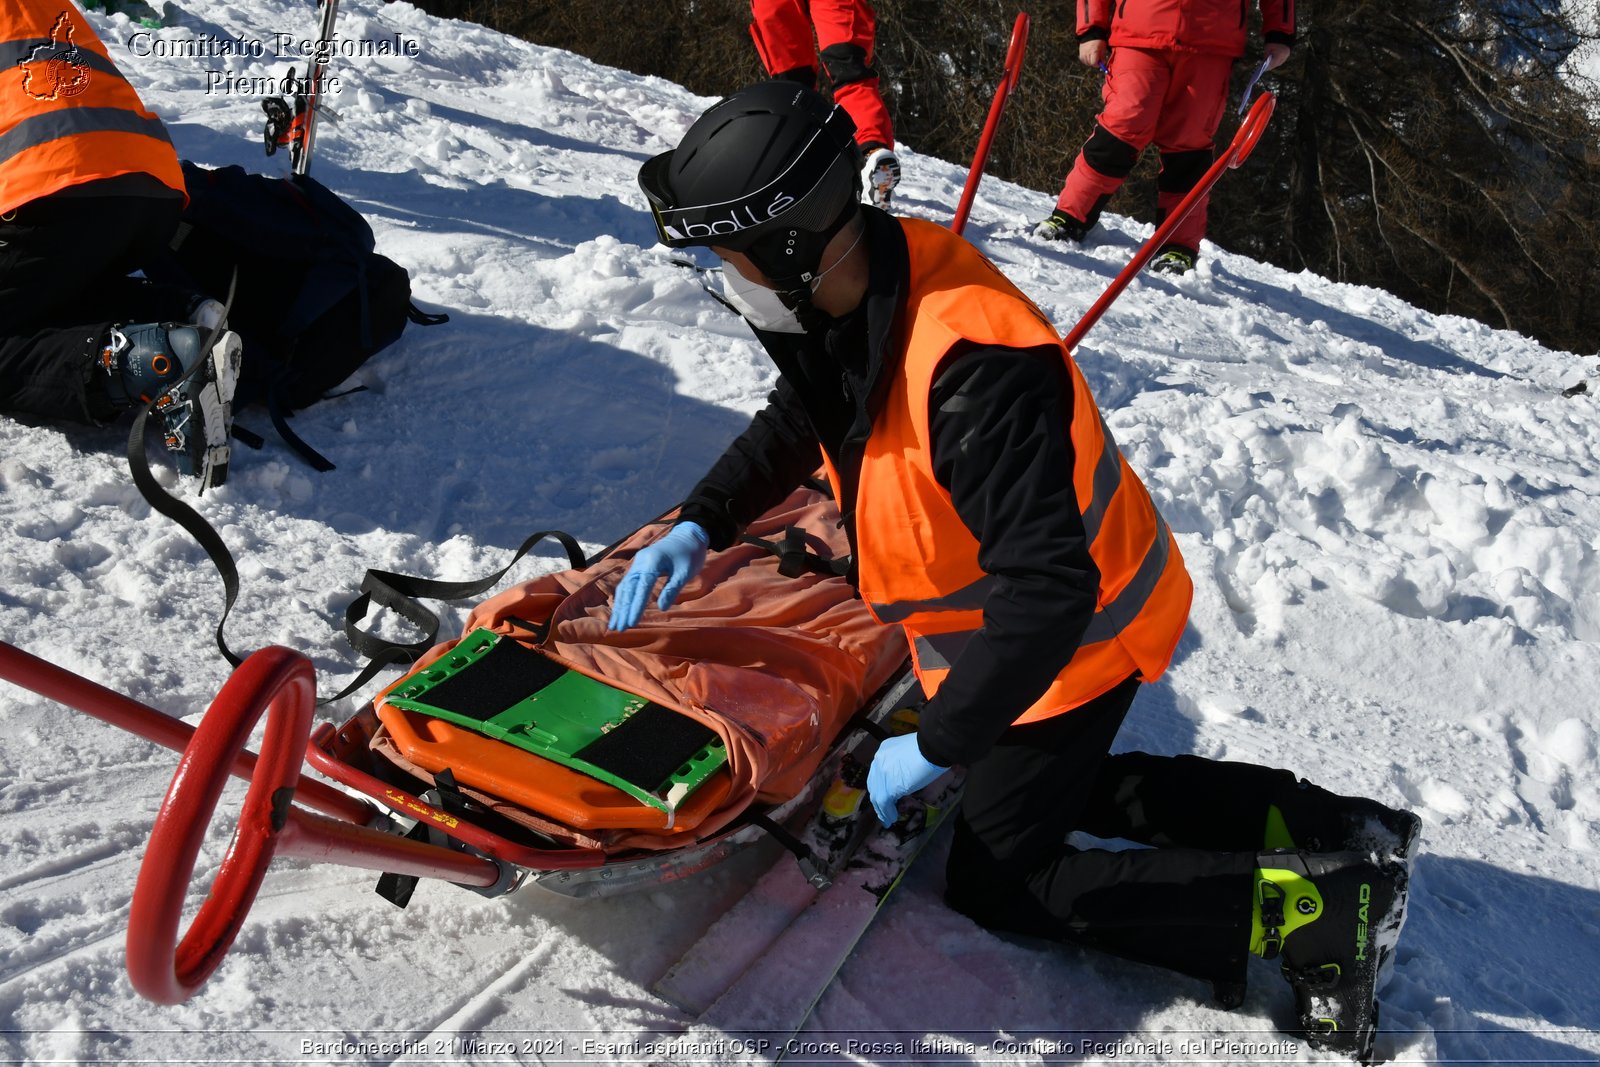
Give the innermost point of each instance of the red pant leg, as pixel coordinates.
(1133, 93)
(1190, 115)
(846, 35)
(782, 33)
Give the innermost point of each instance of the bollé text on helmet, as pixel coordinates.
(736, 219)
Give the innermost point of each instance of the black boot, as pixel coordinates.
(1306, 816)
(1335, 918)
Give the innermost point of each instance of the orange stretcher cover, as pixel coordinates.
(541, 785)
(774, 665)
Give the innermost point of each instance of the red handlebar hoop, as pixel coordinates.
(161, 967)
(1251, 129)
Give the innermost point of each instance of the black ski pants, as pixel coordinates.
(64, 266)
(1184, 903)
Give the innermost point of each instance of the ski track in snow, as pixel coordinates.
(1391, 518)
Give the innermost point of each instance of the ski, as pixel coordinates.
(731, 944)
(295, 128)
(777, 992)
(816, 853)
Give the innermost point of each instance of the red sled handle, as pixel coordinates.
(1002, 93)
(1244, 142)
(276, 681)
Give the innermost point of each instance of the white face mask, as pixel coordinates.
(761, 307)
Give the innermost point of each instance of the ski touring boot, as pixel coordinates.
(880, 174)
(1061, 227)
(1306, 816)
(1334, 918)
(193, 390)
(1173, 260)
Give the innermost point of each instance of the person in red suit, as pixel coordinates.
(1167, 65)
(845, 31)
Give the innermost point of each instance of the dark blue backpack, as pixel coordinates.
(313, 300)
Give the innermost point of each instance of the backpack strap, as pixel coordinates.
(279, 411)
(176, 510)
(423, 318)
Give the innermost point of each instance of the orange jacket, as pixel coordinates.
(67, 115)
(918, 562)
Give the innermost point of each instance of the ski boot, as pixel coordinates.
(1335, 918)
(1061, 227)
(880, 175)
(1306, 816)
(1173, 260)
(193, 391)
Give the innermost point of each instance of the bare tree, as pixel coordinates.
(1436, 148)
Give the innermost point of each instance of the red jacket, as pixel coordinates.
(1215, 26)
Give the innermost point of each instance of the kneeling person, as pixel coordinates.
(994, 520)
(91, 192)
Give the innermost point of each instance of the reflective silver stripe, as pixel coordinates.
(43, 49)
(54, 125)
(970, 598)
(938, 651)
(1111, 619)
(1107, 478)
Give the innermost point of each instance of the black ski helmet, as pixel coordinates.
(771, 171)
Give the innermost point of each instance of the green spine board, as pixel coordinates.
(557, 722)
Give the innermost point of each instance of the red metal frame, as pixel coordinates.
(320, 756)
(1002, 93)
(280, 683)
(1244, 142)
(32, 673)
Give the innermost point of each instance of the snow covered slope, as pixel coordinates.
(1392, 519)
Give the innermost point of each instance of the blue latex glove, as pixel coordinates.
(677, 556)
(898, 770)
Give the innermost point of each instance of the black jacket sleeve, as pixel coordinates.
(763, 465)
(1000, 421)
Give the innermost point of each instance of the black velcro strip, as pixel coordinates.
(648, 746)
(502, 677)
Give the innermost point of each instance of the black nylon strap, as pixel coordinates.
(795, 559)
(175, 509)
(424, 318)
(279, 412)
(402, 593)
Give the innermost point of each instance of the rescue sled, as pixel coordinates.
(539, 747)
(686, 737)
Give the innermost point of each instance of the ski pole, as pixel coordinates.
(1249, 86)
(1244, 142)
(1002, 92)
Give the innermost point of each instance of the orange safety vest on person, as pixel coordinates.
(918, 562)
(67, 115)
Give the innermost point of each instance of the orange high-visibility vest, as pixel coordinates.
(67, 115)
(917, 561)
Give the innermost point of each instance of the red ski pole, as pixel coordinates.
(1008, 82)
(1243, 143)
